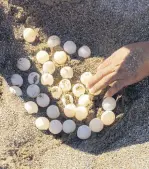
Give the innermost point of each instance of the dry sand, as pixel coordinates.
(103, 25)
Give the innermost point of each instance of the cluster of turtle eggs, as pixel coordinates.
(79, 112)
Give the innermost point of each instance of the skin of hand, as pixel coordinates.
(126, 66)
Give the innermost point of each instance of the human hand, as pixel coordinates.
(124, 67)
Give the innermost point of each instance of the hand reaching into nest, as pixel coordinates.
(124, 67)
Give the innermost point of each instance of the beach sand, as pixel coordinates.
(104, 26)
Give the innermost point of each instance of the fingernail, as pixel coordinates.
(91, 90)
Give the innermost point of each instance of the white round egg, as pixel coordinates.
(78, 89)
(96, 125)
(109, 103)
(67, 99)
(29, 35)
(16, 80)
(42, 56)
(108, 117)
(23, 64)
(33, 78)
(48, 67)
(47, 79)
(54, 41)
(65, 85)
(85, 77)
(81, 113)
(70, 110)
(53, 112)
(66, 72)
(60, 57)
(84, 100)
(84, 52)
(43, 100)
(31, 107)
(70, 47)
(33, 91)
(42, 123)
(84, 132)
(69, 126)
(15, 90)
(56, 92)
(55, 127)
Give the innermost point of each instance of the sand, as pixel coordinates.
(104, 26)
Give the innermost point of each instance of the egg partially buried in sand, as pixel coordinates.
(43, 100)
(84, 132)
(42, 123)
(96, 125)
(109, 103)
(60, 57)
(66, 72)
(23, 64)
(16, 80)
(33, 91)
(42, 56)
(69, 126)
(55, 127)
(29, 35)
(31, 107)
(70, 47)
(70, 110)
(84, 52)
(53, 41)
(53, 112)
(108, 117)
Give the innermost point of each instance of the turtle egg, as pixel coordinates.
(81, 113)
(60, 57)
(84, 100)
(47, 79)
(78, 89)
(55, 127)
(96, 125)
(33, 78)
(56, 92)
(65, 85)
(29, 35)
(31, 107)
(54, 41)
(42, 123)
(109, 103)
(69, 126)
(42, 56)
(84, 132)
(67, 99)
(43, 100)
(53, 112)
(85, 77)
(15, 90)
(66, 72)
(16, 80)
(33, 91)
(108, 117)
(48, 67)
(70, 47)
(23, 64)
(84, 52)
(70, 110)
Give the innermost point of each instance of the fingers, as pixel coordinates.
(105, 63)
(104, 82)
(116, 87)
(99, 75)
